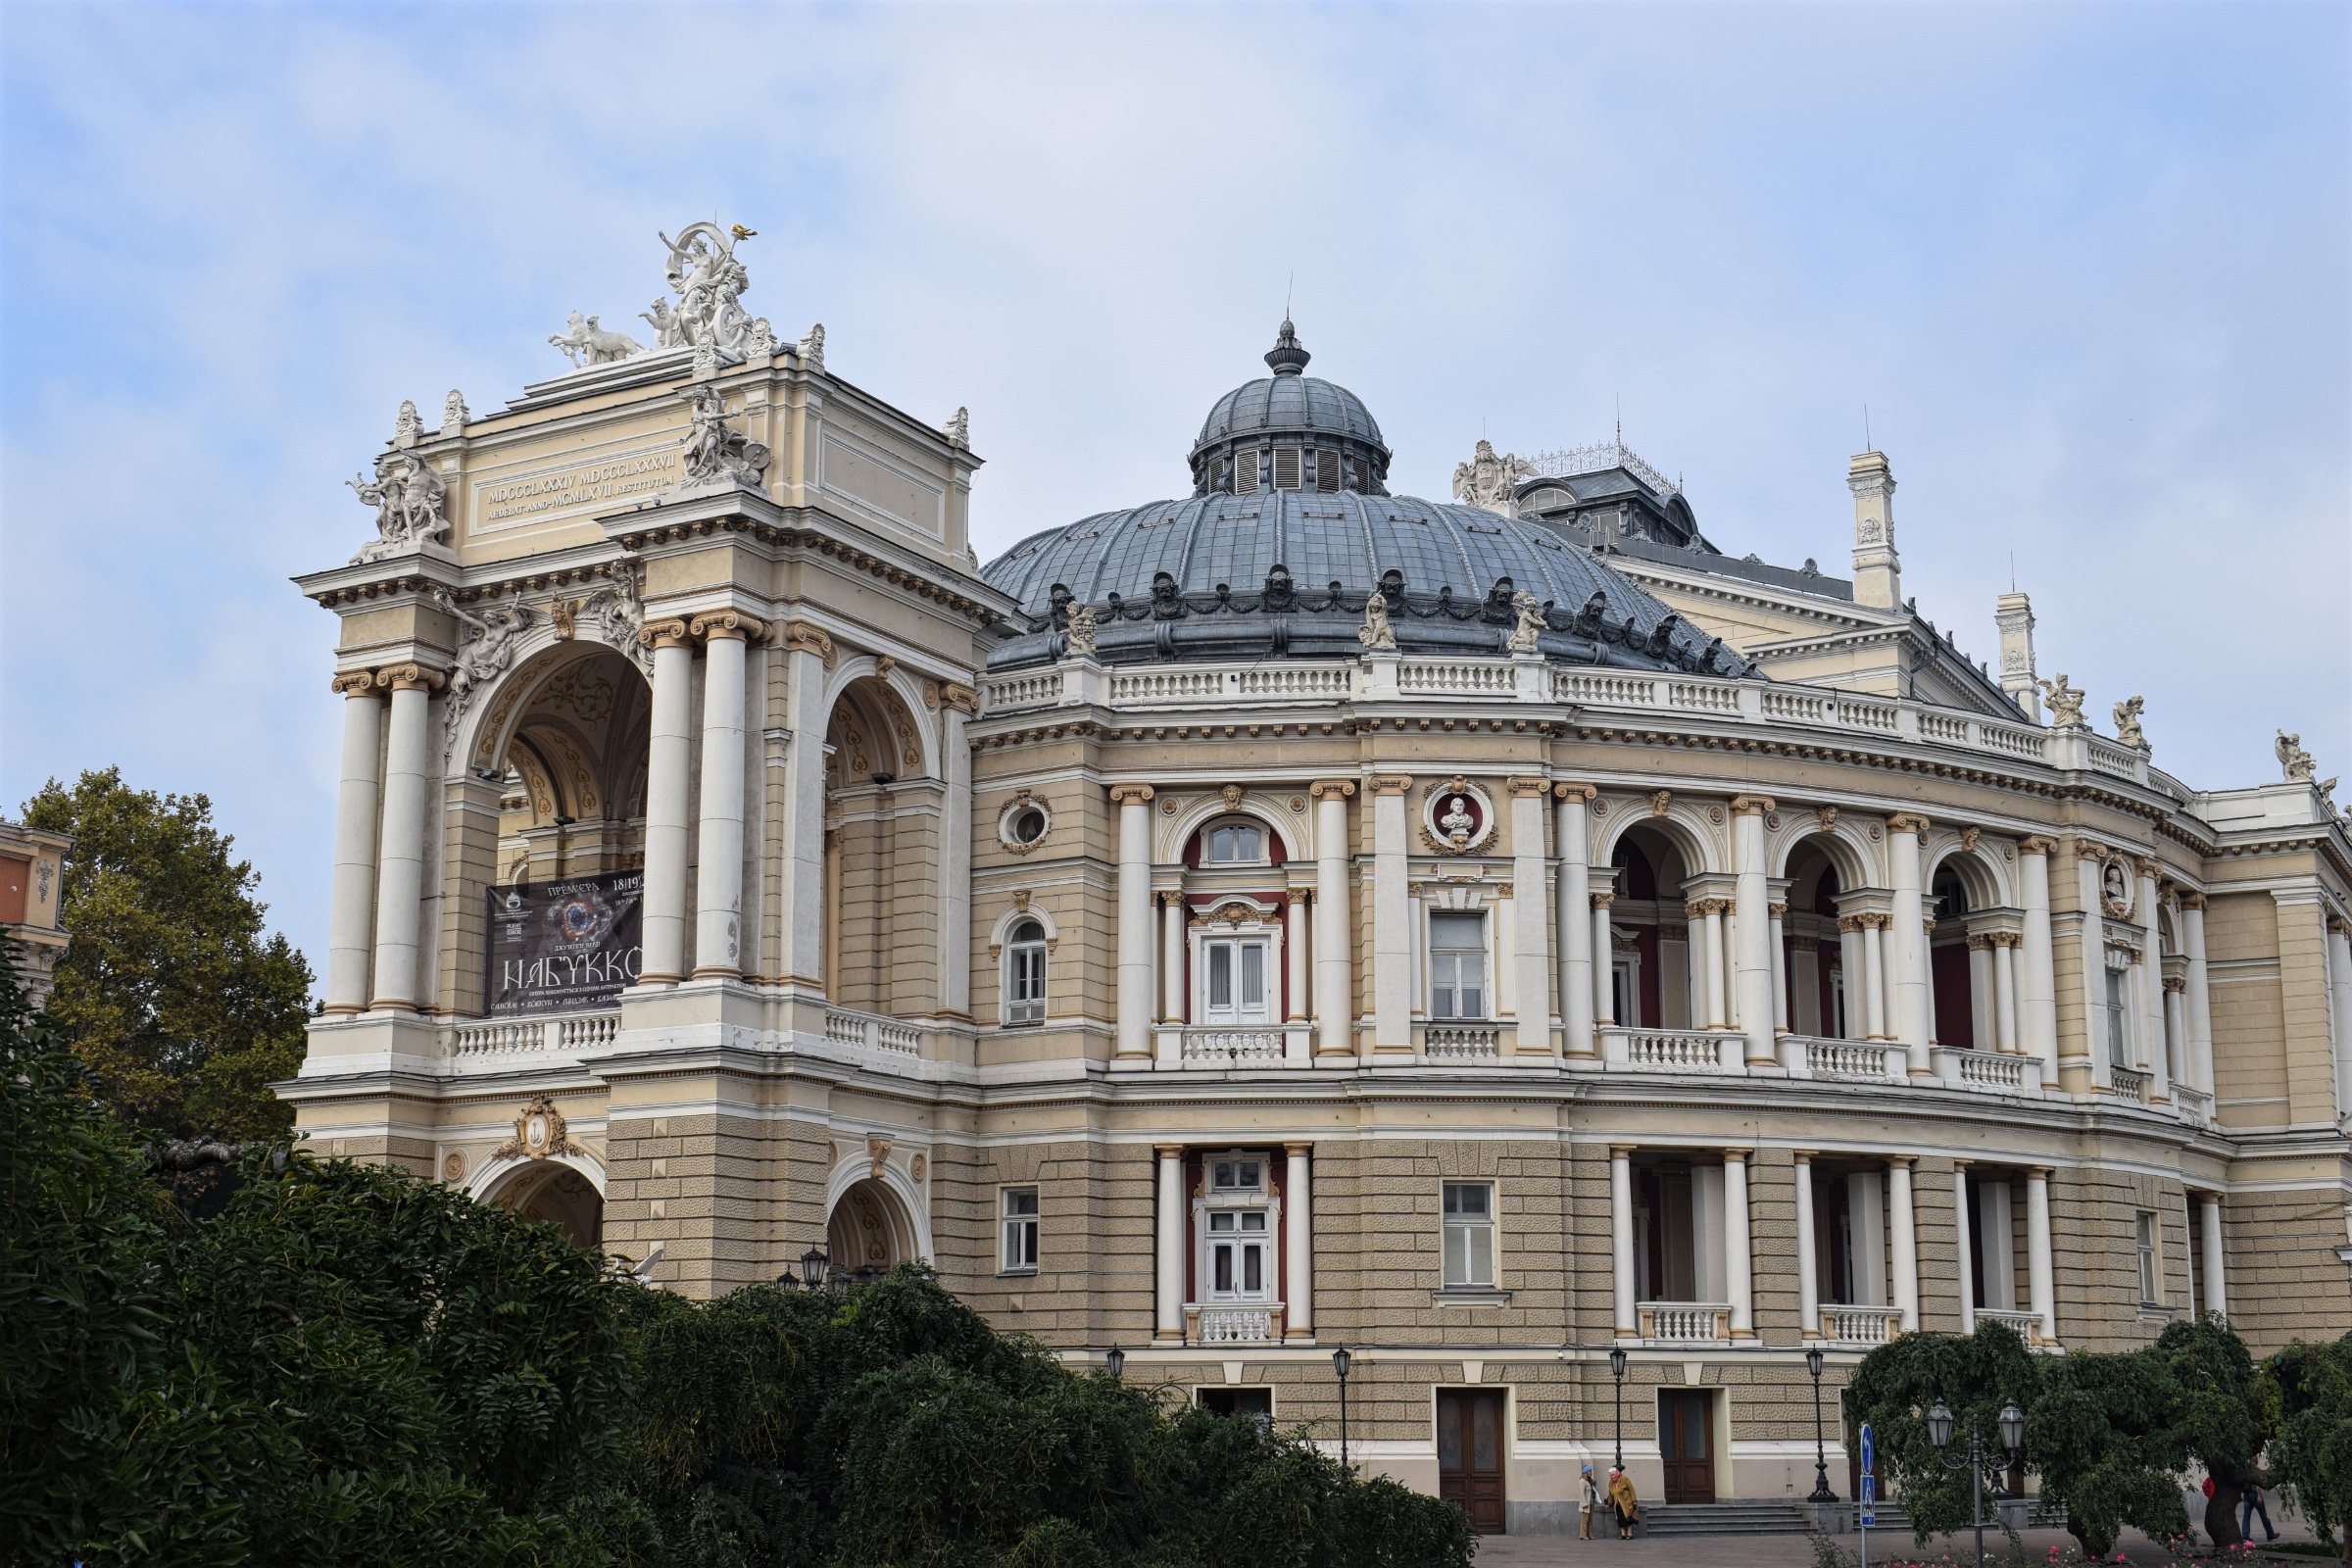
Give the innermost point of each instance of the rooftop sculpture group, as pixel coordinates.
(706, 316)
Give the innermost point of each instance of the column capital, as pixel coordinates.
(1737, 1156)
(2037, 844)
(1980, 941)
(802, 638)
(1601, 901)
(1130, 794)
(1743, 805)
(352, 683)
(1584, 793)
(2040, 1173)
(1392, 783)
(2176, 982)
(1901, 1161)
(2210, 1199)
(1298, 1151)
(1803, 1156)
(1299, 895)
(1527, 786)
(1169, 898)
(2190, 900)
(1338, 788)
(1168, 1150)
(410, 678)
(2147, 865)
(959, 697)
(727, 623)
(2092, 849)
(1907, 823)
(1777, 908)
(1623, 1150)
(671, 633)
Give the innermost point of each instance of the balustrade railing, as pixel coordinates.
(569, 1032)
(1769, 702)
(1851, 1059)
(2026, 1324)
(875, 1033)
(1985, 1069)
(1244, 1323)
(1216, 1047)
(1842, 1324)
(2195, 1105)
(1461, 1042)
(2128, 1083)
(1676, 1051)
(1685, 1322)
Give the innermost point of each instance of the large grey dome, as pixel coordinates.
(1276, 573)
(1291, 430)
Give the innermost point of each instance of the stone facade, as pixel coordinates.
(1705, 959)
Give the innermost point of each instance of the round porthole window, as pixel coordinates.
(1023, 823)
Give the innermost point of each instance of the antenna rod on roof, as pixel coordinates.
(1865, 446)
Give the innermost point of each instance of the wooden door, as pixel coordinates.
(1687, 1445)
(1470, 1454)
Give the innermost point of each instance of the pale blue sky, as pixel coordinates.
(2090, 267)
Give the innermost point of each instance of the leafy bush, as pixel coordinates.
(2309, 1390)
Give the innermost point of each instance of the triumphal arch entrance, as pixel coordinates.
(655, 810)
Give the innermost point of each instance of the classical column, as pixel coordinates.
(1134, 802)
(1780, 969)
(1297, 1243)
(1168, 1254)
(669, 752)
(2338, 938)
(352, 903)
(1907, 938)
(1707, 915)
(400, 875)
(1967, 1290)
(2151, 969)
(1171, 953)
(1295, 954)
(1873, 976)
(1572, 829)
(2004, 992)
(2037, 977)
(1530, 935)
(1902, 1231)
(808, 891)
(2041, 1288)
(957, 704)
(1604, 963)
(1756, 931)
(718, 889)
(2200, 999)
(2217, 1289)
(1984, 1025)
(1335, 935)
(1392, 919)
(1738, 1264)
(1621, 1239)
(2176, 1026)
(1808, 1251)
(1855, 955)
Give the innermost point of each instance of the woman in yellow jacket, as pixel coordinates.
(1627, 1507)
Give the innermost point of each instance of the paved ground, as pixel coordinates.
(1780, 1552)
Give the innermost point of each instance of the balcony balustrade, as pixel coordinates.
(1671, 1051)
(2128, 1083)
(1851, 1059)
(1224, 1046)
(2028, 1326)
(873, 1032)
(1462, 1042)
(566, 1033)
(1233, 1322)
(1842, 1324)
(1685, 1322)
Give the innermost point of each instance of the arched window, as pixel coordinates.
(1234, 843)
(1025, 974)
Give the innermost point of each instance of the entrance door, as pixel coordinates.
(1686, 1444)
(1470, 1454)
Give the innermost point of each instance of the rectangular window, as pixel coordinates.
(2118, 1052)
(1021, 1230)
(1244, 474)
(1286, 468)
(1469, 1234)
(2151, 1288)
(1327, 472)
(1234, 987)
(1458, 966)
(1025, 983)
(1239, 1264)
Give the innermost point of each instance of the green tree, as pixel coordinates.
(183, 1010)
(2309, 1390)
(1901, 1381)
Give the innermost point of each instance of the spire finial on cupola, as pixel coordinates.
(1285, 355)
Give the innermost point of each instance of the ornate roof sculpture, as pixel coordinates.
(1291, 530)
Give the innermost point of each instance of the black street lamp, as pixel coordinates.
(812, 1268)
(1617, 1369)
(2012, 1423)
(1341, 1361)
(1116, 1360)
(1821, 1462)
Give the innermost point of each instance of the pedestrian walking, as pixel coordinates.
(1627, 1505)
(1584, 1509)
(2250, 1503)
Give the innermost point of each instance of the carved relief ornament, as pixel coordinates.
(539, 1132)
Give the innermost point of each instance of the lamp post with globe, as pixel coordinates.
(1940, 1433)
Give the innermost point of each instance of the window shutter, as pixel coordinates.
(1327, 472)
(1244, 474)
(1286, 468)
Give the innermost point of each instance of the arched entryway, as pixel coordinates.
(870, 1227)
(554, 1191)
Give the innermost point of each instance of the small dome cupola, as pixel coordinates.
(1289, 431)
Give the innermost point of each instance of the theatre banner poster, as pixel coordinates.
(557, 947)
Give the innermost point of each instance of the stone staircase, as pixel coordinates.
(1728, 1519)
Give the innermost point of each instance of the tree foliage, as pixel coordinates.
(183, 1010)
(2108, 1433)
(346, 1363)
(2308, 1387)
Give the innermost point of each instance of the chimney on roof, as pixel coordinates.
(1878, 571)
(2013, 614)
